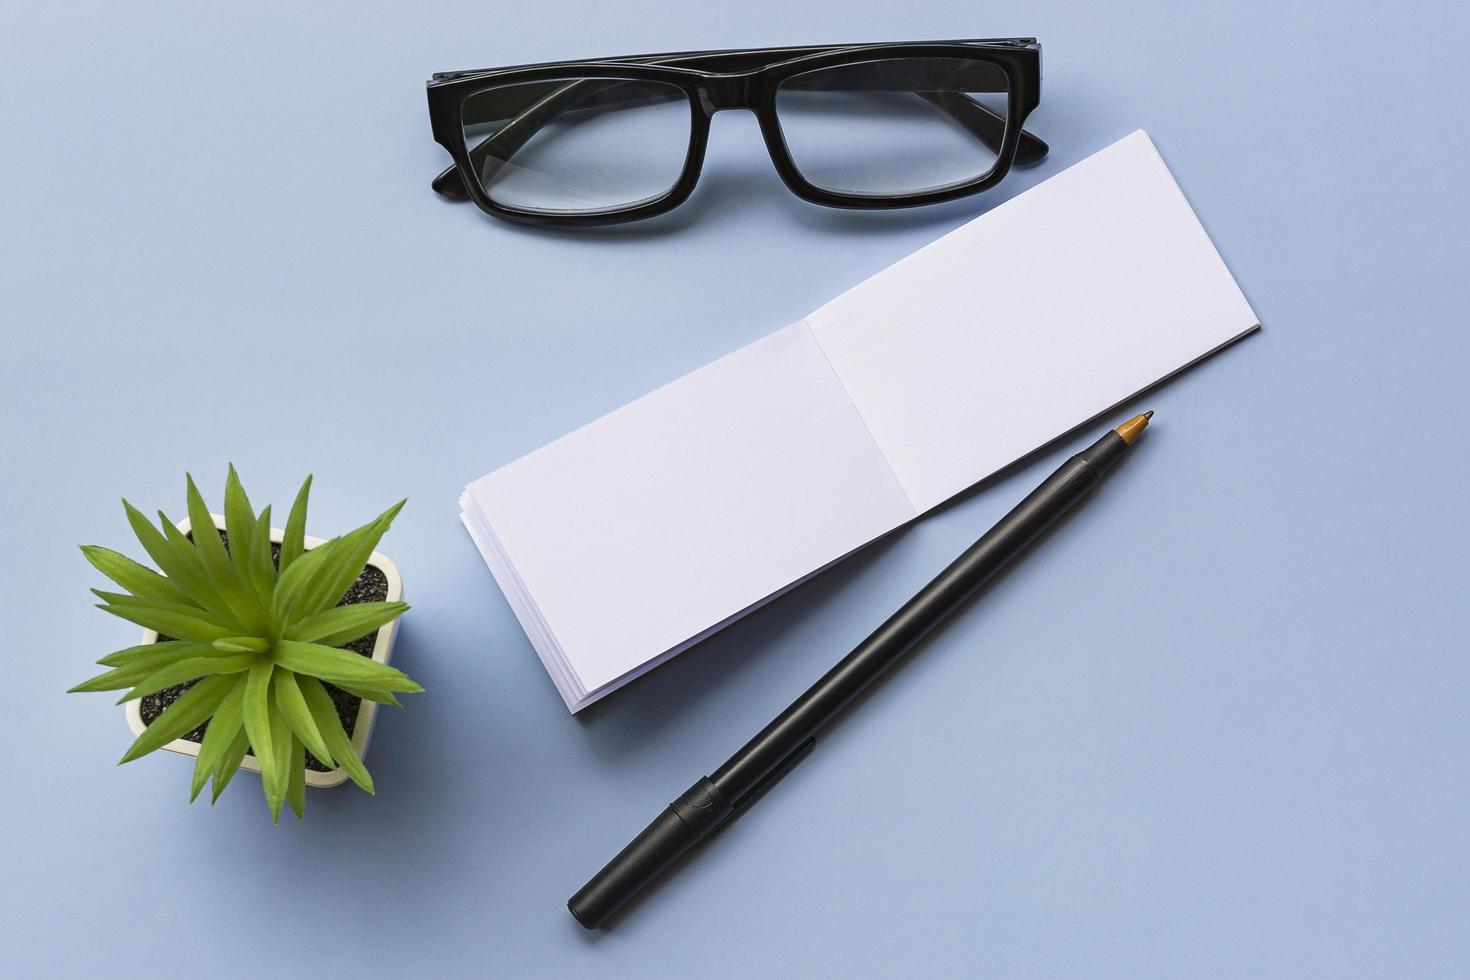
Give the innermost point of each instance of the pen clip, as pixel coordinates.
(769, 779)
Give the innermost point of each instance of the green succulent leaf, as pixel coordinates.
(242, 644)
(320, 577)
(181, 568)
(370, 694)
(188, 670)
(280, 767)
(210, 548)
(239, 523)
(296, 788)
(256, 711)
(226, 724)
(336, 737)
(187, 568)
(318, 592)
(354, 550)
(138, 579)
(149, 537)
(128, 655)
(165, 605)
(121, 678)
(292, 705)
(217, 563)
(136, 668)
(293, 541)
(342, 666)
(298, 580)
(184, 715)
(343, 624)
(228, 764)
(171, 619)
(262, 573)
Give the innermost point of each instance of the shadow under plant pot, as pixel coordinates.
(379, 581)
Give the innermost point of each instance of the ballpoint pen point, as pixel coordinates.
(1131, 429)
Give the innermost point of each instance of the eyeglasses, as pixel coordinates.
(849, 126)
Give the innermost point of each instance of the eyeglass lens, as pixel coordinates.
(896, 126)
(577, 144)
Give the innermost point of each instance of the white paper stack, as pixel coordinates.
(636, 536)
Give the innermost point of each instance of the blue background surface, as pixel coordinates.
(1216, 727)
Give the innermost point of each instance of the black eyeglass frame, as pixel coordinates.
(749, 80)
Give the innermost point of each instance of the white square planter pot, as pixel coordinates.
(366, 713)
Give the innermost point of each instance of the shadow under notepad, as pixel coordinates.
(629, 719)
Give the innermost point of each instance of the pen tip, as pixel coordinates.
(1130, 430)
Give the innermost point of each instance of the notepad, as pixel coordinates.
(625, 542)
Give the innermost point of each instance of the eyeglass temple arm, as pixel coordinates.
(987, 125)
(491, 153)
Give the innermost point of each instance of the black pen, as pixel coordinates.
(716, 798)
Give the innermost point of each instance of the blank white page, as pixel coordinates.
(1028, 321)
(678, 511)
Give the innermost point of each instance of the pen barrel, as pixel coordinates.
(684, 823)
(712, 800)
(890, 641)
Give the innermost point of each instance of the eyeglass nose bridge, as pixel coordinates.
(733, 91)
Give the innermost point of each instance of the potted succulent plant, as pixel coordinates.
(263, 649)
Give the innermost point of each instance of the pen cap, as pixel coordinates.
(681, 825)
